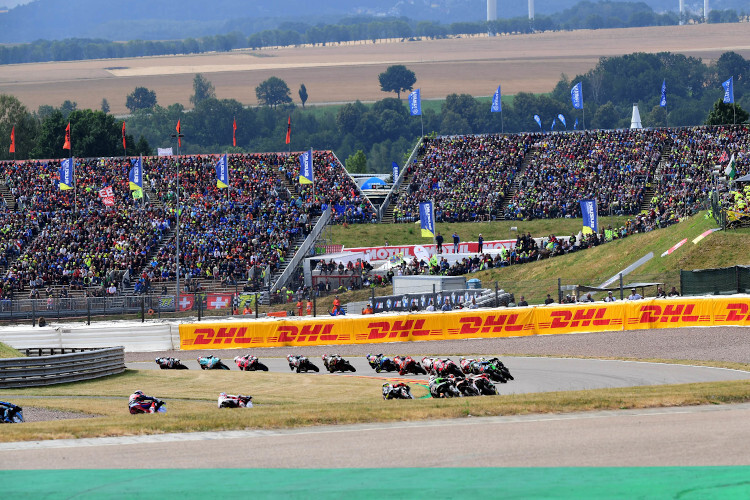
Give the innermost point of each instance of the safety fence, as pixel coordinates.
(722, 281)
(506, 322)
(61, 368)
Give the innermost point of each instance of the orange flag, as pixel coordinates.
(67, 137)
(13, 140)
(234, 133)
(124, 145)
(179, 139)
(289, 130)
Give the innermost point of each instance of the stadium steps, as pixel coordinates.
(152, 198)
(388, 217)
(658, 173)
(517, 181)
(287, 184)
(10, 200)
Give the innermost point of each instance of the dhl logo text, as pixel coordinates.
(496, 324)
(736, 313)
(204, 336)
(384, 329)
(671, 313)
(307, 333)
(581, 317)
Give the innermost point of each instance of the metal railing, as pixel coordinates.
(56, 307)
(61, 368)
(397, 182)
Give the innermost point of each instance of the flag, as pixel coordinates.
(415, 103)
(67, 137)
(553, 124)
(138, 194)
(107, 196)
(222, 173)
(538, 121)
(663, 101)
(562, 120)
(12, 141)
(136, 174)
(729, 90)
(576, 95)
(724, 157)
(395, 171)
(427, 219)
(289, 130)
(731, 170)
(124, 146)
(575, 125)
(234, 133)
(497, 105)
(164, 151)
(590, 217)
(306, 172)
(179, 139)
(67, 174)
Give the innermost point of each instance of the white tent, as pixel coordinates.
(635, 122)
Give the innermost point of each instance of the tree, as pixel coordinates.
(397, 78)
(68, 107)
(724, 114)
(141, 98)
(357, 163)
(303, 94)
(105, 106)
(202, 90)
(14, 114)
(273, 92)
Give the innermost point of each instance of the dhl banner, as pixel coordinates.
(514, 322)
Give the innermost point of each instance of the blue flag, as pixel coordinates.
(663, 101)
(306, 173)
(497, 105)
(562, 120)
(552, 127)
(136, 174)
(427, 219)
(729, 90)
(67, 174)
(415, 103)
(576, 95)
(575, 125)
(538, 121)
(395, 171)
(222, 173)
(590, 217)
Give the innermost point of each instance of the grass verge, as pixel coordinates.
(294, 400)
(8, 352)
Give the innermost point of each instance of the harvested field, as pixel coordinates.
(342, 73)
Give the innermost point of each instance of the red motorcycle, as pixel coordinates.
(444, 367)
(250, 363)
(407, 364)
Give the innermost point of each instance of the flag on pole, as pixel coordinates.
(663, 101)
(136, 174)
(222, 173)
(575, 125)
(306, 172)
(394, 165)
(576, 95)
(67, 174)
(553, 124)
(415, 103)
(562, 120)
(234, 132)
(124, 145)
(538, 121)
(731, 170)
(590, 217)
(427, 219)
(179, 139)
(497, 105)
(289, 130)
(12, 141)
(729, 90)
(67, 137)
(138, 194)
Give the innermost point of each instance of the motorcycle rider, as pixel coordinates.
(232, 401)
(140, 403)
(389, 390)
(7, 410)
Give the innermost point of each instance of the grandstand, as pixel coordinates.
(68, 242)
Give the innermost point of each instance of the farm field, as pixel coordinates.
(347, 72)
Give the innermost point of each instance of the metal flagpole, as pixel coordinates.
(177, 233)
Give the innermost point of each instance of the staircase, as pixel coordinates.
(151, 197)
(388, 217)
(8, 198)
(517, 181)
(658, 174)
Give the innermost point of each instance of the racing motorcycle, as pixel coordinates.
(467, 387)
(494, 369)
(157, 406)
(230, 401)
(301, 363)
(211, 363)
(407, 364)
(397, 391)
(10, 413)
(335, 363)
(483, 384)
(442, 367)
(381, 363)
(443, 387)
(170, 364)
(250, 363)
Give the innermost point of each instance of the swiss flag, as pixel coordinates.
(186, 302)
(219, 301)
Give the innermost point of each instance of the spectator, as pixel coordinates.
(634, 295)
(522, 302)
(456, 241)
(439, 242)
(609, 297)
(674, 293)
(549, 300)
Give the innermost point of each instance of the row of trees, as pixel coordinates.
(371, 136)
(584, 15)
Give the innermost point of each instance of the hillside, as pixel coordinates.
(8, 352)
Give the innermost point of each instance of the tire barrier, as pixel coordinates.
(61, 368)
(477, 323)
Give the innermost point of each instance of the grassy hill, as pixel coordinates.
(588, 267)
(8, 352)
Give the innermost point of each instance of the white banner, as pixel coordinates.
(164, 151)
